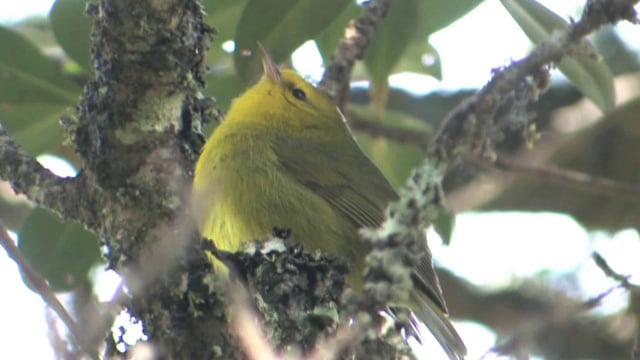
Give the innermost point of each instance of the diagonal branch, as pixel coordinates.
(463, 132)
(70, 197)
(358, 35)
(464, 129)
(571, 178)
(608, 271)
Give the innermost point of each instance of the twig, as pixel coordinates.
(572, 178)
(622, 279)
(37, 283)
(358, 35)
(516, 341)
(540, 326)
(56, 340)
(72, 198)
(597, 300)
(464, 129)
(252, 338)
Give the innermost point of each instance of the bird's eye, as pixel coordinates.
(299, 94)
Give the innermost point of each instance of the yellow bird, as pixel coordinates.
(285, 157)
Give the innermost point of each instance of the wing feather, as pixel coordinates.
(346, 178)
(356, 188)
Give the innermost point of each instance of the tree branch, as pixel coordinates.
(358, 35)
(571, 178)
(606, 269)
(72, 198)
(465, 131)
(540, 319)
(134, 129)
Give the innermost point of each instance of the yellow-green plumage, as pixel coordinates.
(284, 158)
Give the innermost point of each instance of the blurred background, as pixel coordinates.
(516, 258)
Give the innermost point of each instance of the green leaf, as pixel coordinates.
(592, 77)
(224, 16)
(34, 126)
(404, 33)
(395, 159)
(444, 225)
(213, 7)
(437, 14)
(413, 59)
(224, 88)
(62, 253)
(13, 211)
(37, 30)
(72, 29)
(281, 26)
(28, 76)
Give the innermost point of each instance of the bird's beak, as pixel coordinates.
(270, 68)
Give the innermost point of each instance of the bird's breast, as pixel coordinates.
(252, 195)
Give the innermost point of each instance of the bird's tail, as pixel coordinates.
(429, 313)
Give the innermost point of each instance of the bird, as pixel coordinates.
(284, 156)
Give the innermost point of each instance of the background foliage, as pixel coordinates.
(49, 61)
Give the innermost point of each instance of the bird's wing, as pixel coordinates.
(355, 187)
(343, 176)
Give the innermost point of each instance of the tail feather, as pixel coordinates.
(427, 312)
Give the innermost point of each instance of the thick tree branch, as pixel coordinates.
(133, 131)
(70, 197)
(358, 35)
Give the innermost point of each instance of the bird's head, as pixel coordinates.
(282, 98)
